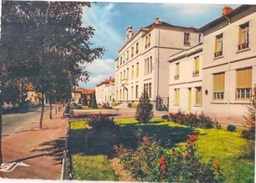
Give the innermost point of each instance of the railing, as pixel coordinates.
(218, 53)
(243, 46)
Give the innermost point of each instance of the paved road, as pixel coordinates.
(15, 122)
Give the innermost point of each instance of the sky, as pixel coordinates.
(110, 20)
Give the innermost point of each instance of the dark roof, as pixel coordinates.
(224, 18)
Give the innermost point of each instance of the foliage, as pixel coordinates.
(134, 105)
(144, 109)
(250, 118)
(194, 120)
(113, 104)
(92, 168)
(166, 117)
(231, 128)
(153, 163)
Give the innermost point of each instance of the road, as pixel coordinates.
(15, 122)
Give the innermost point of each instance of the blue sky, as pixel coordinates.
(110, 21)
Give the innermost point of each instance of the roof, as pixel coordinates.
(83, 91)
(224, 17)
(107, 81)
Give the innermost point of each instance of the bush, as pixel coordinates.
(134, 105)
(153, 163)
(144, 110)
(194, 120)
(129, 105)
(249, 124)
(113, 104)
(101, 122)
(231, 128)
(166, 117)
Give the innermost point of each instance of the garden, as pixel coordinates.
(178, 147)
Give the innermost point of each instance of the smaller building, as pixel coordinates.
(105, 91)
(82, 95)
(185, 80)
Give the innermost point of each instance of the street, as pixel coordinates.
(15, 122)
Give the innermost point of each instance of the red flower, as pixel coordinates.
(145, 139)
(186, 155)
(163, 167)
(120, 151)
(217, 164)
(192, 137)
(94, 115)
(162, 160)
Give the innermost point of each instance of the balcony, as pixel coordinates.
(218, 53)
(195, 73)
(176, 77)
(243, 46)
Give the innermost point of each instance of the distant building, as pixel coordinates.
(229, 65)
(82, 95)
(142, 60)
(105, 91)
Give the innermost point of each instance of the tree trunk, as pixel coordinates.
(50, 101)
(42, 113)
(1, 122)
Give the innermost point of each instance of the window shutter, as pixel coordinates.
(218, 82)
(244, 78)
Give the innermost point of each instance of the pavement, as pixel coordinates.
(34, 153)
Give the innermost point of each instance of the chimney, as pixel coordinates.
(128, 33)
(226, 10)
(158, 21)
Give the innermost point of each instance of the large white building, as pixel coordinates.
(142, 61)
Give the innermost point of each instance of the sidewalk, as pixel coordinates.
(40, 149)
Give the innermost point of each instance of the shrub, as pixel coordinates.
(144, 110)
(249, 124)
(134, 105)
(101, 122)
(153, 163)
(129, 105)
(231, 128)
(194, 120)
(166, 117)
(113, 104)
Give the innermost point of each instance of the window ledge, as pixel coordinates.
(198, 105)
(218, 57)
(243, 50)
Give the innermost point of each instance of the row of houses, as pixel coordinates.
(210, 69)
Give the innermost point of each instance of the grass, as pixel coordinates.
(92, 168)
(226, 147)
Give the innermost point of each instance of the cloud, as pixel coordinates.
(101, 19)
(194, 9)
(100, 70)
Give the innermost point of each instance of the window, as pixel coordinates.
(132, 71)
(243, 83)
(121, 60)
(186, 38)
(149, 90)
(127, 56)
(149, 39)
(132, 52)
(136, 91)
(146, 42)
(132, 92)
(198, 96)
(137, 70)
(196, 69)
(137, 48)
(243, 36)
(176, 96)
(218, 86)
(127, 77)
(177, 71)
(218, 45)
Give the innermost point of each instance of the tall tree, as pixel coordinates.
(50, 34)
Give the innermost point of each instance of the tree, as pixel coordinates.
(144, 109)
(50, 44)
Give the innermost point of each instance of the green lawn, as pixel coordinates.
(226, 147)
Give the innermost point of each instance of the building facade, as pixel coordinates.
(142, 62)
(105, 91)
(185, 80)
(229, 66)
